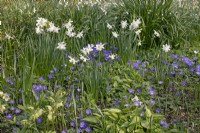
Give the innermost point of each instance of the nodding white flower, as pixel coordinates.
(34, 10)
(8, 36)
(83, 58)
(157, 34)
(2, 108)
(112, 56)
(109, 26)
(6, 97)
(196, 51)
(115, 34)
(61, 45)
(139, 43)
(70, 33)
(87, 49)
(80, 34)
(52, 28)
(99, 46)
(0, 22)
(124, 24)
(135, 99)
(1, 93)
(41, 22)
(73, 60)
(135, 24)
(39, 30)
(166, 47)
(68, 25)
(138, 32)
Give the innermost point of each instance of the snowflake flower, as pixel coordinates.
(109, 26)
(135, 99)
(115, 34)
(196, 51)
(138, 32)
(99, 47)
(73, 60)
(39, 30)
(139, 43)
(8, 36)
(124, 24)
(87, 49)
(70, 33)
(52, 28)
(157, 34)
(166, 48)
(61, 45)
(68, 25)
(80, 34)
(112, 56)
(41, 22)
(83, 58)
(135, 24)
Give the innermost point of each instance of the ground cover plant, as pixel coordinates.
(118, 66)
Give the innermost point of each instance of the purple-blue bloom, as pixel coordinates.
(73, 124)
(39, 120)
(164, 123)
(88, 129)
(131, 91)
(83, 124)
(88, 111)
(9, 116)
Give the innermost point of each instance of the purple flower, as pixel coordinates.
(174, 65)
(125, 97)
(174, 56)
(11, 101)
(79, 130)
(116, 101)
(138, 90)
(64, 131)
(9, 116)
(198, 69)
(187, 61)
(160, 82)
(136, 64)
(107, 88)
(50, 76)
(12, 108)
(152, 101)
(83, 124)
(79, 90)
(157, 110)
(73, 124)
(99, 63)
(183, 83)
(88, 129)
(131, 91)
(51, 71)
(39, 120)
(41, 78)
(137, 103)
(164, 123)
(151, 90)
(127, 105)
(17, 111)
(153, 69)
(88, 111)
(72, 67)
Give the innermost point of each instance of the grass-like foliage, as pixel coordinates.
(99, 66)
